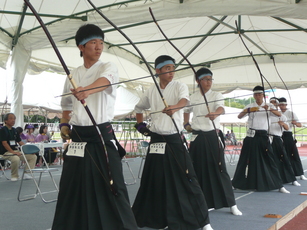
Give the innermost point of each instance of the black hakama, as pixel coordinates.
(167, 196)
(206, 153)
(256, 168)
(282, 161)
(85, 200)
(294, 157)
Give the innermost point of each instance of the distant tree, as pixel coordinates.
(40, 119)
(238, 103)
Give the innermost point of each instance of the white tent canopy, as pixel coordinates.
(204, 30)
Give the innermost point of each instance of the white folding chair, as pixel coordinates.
(31, 149)
(127, 160)
(4, 167)
(143, 145)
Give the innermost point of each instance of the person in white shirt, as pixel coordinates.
(206, 148)
(93, 194)
(278, 125)
(169, 193)
(256, 169)
(289, 141)
(36, 130)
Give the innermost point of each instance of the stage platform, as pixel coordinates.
(36, 215)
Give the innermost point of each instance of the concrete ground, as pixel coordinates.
(36, 215)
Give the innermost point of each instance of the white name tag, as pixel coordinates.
(157, 148)
(193, 137)
(12, 142)
(250, 133)
(76, 149)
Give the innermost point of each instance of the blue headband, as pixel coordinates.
(160, 65)
(204, 75)
(85, 40)
(274, 99)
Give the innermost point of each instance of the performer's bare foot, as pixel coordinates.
(303, 177)
(295, 183)
(283, 190)
(235, 211)
(207, 227)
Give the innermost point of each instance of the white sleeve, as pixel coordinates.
(142, 104)
(272, 106)
(190, 108)
(183, 92)
(110, 72)
(66, 101)
(219, 101)
(295, 118)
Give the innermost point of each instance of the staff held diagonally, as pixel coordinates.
(202, 91)
(262, 78)
(292, 115)
(110, 181)
(151, 73)
(258, 68)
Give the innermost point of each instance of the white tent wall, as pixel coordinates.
(17, 71)
(125, 102)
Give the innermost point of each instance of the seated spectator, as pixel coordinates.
(30, 138)
(36, 130)
(21, 134)
(29, 133)
(227, 136)
(42, 136)
(49, 153)
(9, 140)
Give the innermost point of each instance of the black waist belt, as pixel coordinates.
(90, 134)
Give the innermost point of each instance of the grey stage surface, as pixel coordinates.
(36, 215)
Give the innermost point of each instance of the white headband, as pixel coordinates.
(277, 101)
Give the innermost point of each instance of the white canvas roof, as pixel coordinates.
(205, 31)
